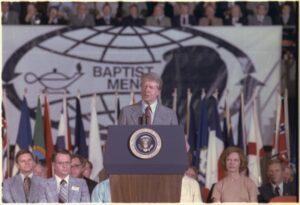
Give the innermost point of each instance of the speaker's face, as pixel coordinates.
(150, 91)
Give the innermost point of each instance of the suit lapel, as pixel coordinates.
(52, 190)
(158, 117)
(17, 189)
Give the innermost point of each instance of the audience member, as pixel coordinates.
(158, 18)
(288, 175)
(8, 16)
(25, 187)
(98, 6)
(65, 9)
(276, 185)
(88, 167)
(251, 6)
(184, 18)
(235, 17)
(54, 18)
(77, 168)
(148, 108)
(107, 16)
(233, 162)
(40, 170)
(82, 17)
(223, 8)
(133, 19)
(190, 189)
(62, 187)
(142, 8)
(210, 19)
(285, 18)
(101, 192)
(260, 17)
(33, 17)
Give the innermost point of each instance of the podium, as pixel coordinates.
(137, 176)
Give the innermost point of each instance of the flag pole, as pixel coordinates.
(188, 110)
(287, 125)
(8, 172)
(243, 120)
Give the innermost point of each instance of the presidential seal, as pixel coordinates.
(145, 143)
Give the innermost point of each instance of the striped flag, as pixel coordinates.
(174, 105)
(80, 146)
(48, 137)
(38, 148)
(63, 140)
(254, 146)
(215, 146)
(241, 125)
(227, 126)
(24, 136)
(95, 149)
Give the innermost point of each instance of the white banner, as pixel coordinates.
(102, 60)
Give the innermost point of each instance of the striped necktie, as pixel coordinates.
(148, 115)
(63, 192)
(26, 186)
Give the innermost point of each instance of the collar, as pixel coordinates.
(58, 180)
(23, 176)
(153, 106)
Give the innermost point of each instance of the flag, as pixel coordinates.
(132, 98)
(188, 118)
(202, 142)
(254, 146)
(174, 105)
(5, 145)
(63, 140)
(280, 139)
(48, 138)
(215, 146)
(241, 125)
(80, 139)
(227, 128)
(24, 136)
(95, 150)
(38, 148)
(117, 107)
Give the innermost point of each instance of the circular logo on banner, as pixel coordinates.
(145, 143)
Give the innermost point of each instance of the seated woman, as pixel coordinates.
(235, 186)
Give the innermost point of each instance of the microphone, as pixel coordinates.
(143, 120)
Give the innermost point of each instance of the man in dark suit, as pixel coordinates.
(77, 168)
(276, 186)
(133, 19)
(107, 18)
(148, 110)
(8, 17)
(82, 16)
(25, 187)
(62, 187)
(184, 18)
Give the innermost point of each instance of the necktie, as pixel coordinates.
(63, 194)
(277, 191)
(148, 115)
(184, 21)
(158, 21)
(26, 186)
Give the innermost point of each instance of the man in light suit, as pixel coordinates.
(158, 18)
(276, 186)
(82, 17)
(25, 187)
(8, 17)
(260, 17)
(62, 187)
(148, 108)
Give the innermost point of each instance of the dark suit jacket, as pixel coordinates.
(176, 21)
(101, 22)
(13, 191)
(130, 21)
(266, 192)
(91, 184)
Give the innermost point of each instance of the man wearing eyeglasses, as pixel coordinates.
(77, 168)
(64, 188)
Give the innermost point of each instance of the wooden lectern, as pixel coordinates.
(135, 179)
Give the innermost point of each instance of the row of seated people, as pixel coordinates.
(203, 13)
(72, 172)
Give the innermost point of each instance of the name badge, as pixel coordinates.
(75, 188)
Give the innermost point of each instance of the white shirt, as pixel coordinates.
(23, 176)
(153, 108)
(190, 190)
(280, 188)
(58, 180)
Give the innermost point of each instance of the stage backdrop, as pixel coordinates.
(105, 59)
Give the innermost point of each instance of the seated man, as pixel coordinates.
(25, 187)
(276, 186)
